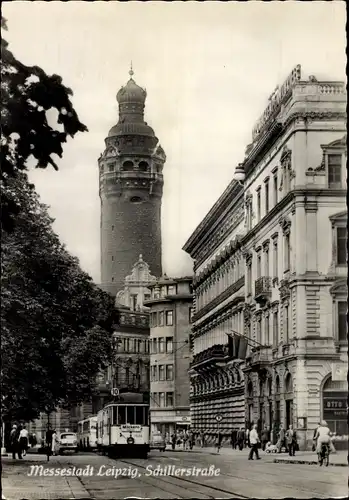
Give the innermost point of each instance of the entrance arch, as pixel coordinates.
(335, 410)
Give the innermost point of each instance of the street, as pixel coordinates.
(168, 475)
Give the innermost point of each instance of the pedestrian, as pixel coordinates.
(191, 439)
(23, 441)
(265, 437)
(254, 442)
(185, 440)
(202, 439)
(291, 441)
(313, 448)
(173, 440)
(232, 439)
(48, 438)
(218, 442)
(282, 440)
(248, 437)
(14, 444)
(241, 438)
(54, 442)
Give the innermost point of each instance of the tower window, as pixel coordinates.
(128, 165)
(111, 168)
(143, 166)
(135, 199)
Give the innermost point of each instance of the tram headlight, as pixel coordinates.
(130, 440)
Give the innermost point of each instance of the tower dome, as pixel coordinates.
(131, 99)
(131, 93)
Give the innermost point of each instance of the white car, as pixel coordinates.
(67, 441)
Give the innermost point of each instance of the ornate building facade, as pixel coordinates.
(170, 307)
(217, 381)
(294, 242)
(129, 371)
(130, 188)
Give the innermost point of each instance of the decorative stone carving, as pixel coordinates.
(285, 224)
(284, 290)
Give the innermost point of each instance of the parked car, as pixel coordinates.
(67, 441)
(157, 442)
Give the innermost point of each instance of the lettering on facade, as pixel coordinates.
(276, 99)
(335, 406)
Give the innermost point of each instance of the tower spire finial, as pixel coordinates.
(131, 73)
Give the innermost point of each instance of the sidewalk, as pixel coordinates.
(339, 459)
(17, 484)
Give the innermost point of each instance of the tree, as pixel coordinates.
(27, 93)
(56, 323)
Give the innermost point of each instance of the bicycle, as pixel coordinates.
(324, 455)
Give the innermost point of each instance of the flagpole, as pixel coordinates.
(244, 337)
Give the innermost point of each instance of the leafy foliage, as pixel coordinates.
(56, 323)
(27, 93)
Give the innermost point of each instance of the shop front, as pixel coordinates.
(335, 411)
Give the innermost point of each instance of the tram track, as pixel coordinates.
(211, 491)
(301, 489)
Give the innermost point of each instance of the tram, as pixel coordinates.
(87, 433)
(123, 427)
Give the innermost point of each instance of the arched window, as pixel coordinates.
(277, 385)
(288, 384)
(143, 166)
(128, 165)
(335, 409)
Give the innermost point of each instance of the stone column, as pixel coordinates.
(301, 401)
(311, 235)
(300, 239)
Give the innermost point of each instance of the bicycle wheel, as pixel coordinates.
(327, 459)
(320, 459)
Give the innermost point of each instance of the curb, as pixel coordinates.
(307, 462)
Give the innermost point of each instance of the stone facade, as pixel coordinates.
(170, 315)
(217, 381)
(130, 188)
(294, 247)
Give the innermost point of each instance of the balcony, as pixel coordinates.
(210, 356)
(263, 289)
(260, 358)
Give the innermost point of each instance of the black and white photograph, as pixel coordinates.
(174, 292)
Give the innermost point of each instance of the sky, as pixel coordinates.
(208, 69)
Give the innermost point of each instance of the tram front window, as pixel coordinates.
(146, 415)
(130, 415)
(139, 415)
(121, 415)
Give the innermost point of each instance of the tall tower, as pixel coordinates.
(130, 189)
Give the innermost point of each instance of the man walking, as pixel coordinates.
(15, 448)
(291, 441)
(254, 441)
(241, 438)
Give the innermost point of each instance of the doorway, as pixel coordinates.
(289, 413)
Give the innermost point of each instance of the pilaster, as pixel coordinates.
(311, 235)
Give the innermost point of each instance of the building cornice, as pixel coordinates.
(220, 298)
(299, 191)
(230, 196)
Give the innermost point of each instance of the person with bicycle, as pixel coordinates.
(323, 436)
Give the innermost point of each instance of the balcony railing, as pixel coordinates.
(211, 355)
(263, 288)
(260, 357)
